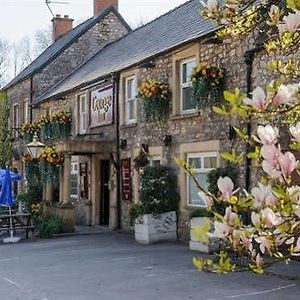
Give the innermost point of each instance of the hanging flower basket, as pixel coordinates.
(28, 130)
(207, 85)
(50, 161)
(156, 100)
(61, 123)
(46, 128)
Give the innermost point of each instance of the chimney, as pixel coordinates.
(100, 5)
(61, 25)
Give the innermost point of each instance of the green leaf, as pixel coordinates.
(220, 110)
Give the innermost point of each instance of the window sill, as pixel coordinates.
(185, 116)
(125, 126)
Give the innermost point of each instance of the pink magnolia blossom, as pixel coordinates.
(294, 193)
(297, 210)
(286, 94)
(225, 186)
(221, 230)
(258, 99)
(206, 199)
(230, 216)
(270, 217)
(270, 170)
(270, 153)
(258, 260)
(255, 219)
(263, 195)
(210, 5)
(267, 134)
(264, 244)
(287, 163)
(295, 131)
(291, 23)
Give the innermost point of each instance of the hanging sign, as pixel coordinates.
(101, 108)
(126, 179)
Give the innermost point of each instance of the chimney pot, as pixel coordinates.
(100, 5)
(61, 26)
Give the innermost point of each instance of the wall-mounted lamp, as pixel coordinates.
(167, 140)
(145, 148)
(123, 144)
(231, 133)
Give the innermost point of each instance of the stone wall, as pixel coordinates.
(202, 126)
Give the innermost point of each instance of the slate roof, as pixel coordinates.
(61, 44)
(180, 25)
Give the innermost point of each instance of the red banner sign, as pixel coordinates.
(126, 179)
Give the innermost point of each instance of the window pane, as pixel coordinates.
(195, 162)
(194, 198)
(187, 70)
(82, 104)
(130, 88)
(187, 99)
(131, 110)
(210, 162)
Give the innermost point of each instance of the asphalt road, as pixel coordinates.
(113, 267)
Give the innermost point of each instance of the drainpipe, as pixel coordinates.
(116, 78)
(31, 100)
(249, 58)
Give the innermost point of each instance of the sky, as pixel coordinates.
(19, 18)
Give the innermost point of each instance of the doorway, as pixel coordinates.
(104, 192)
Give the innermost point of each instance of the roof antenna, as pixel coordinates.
(48, 2)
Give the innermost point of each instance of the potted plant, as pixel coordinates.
(200, 219)
(156, 216)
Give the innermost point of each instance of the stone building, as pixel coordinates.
(166, 50)
(71, 47)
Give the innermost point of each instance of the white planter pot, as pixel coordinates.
(196, 245)
(151, 229)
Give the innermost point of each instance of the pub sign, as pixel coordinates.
(101, 108)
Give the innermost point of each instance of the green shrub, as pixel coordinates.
(47, 225)
(201, 213)
(32, 196)
(158, 190)
(136, 210)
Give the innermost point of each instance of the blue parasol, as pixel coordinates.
(7, 198)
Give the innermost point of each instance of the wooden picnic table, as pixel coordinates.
(20, 220)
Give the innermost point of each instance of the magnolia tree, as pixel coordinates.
(273, 204)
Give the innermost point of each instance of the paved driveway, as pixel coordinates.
(113, 267)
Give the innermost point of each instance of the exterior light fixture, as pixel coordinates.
(35, 147)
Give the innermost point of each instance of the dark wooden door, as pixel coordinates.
(104, 194)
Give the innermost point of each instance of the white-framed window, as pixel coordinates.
(154, 161)
(26, 111)
(187, 104)
(82, 108)
(130, 100)
(202, 164)
(16, 123)
(74, 180)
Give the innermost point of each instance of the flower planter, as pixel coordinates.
(151, 229)
(195, 245)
